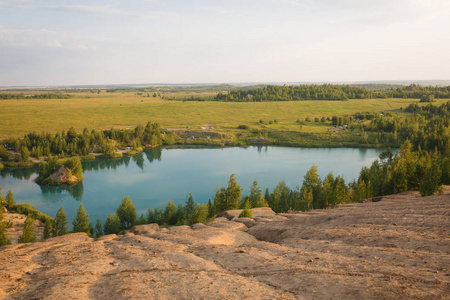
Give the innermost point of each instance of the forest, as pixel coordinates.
(71, 143)
(267, 93)
(328, 92)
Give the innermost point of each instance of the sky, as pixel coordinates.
(78, 42)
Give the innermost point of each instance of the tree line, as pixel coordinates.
(71, 143)
(322, 92)
(426, 129)
(10, 96)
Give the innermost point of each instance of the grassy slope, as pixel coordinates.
(122, 110)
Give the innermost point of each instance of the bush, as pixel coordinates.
(243, 127)
(247, 212)
(27, 209)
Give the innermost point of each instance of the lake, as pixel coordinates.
(153, 177)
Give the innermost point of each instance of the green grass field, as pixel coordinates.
(119, 110)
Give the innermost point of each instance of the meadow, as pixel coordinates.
(127, 109)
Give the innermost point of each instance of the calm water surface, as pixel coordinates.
(153, 177)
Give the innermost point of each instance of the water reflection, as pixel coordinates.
(19, 173)
(76, 191)
(113, 163)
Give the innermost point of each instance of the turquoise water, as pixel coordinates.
(153, 177)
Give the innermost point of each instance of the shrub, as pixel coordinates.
(27, 209)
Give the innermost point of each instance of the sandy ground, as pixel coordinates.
(397, 248)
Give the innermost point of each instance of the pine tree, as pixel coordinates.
(47, 229)
(328, 197)
(200, 214)
(25, 153)
(10, 202)
(306, 198)
(233, 193)
(431, 183)
(98, 229)
(256, 196)
(112, 224)
(60, 223)
(190, 208)
(211, 210)
(81, 222)
(170, 213)
(312, 183)
(126, 213)
(28, 235)
(4, 240)
(247, 212)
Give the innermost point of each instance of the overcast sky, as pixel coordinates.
(62, 42)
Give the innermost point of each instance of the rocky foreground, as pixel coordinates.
(396, 248)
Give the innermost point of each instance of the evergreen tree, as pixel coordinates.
(28, 235)
(311, 182)
(275, 199)
(170, 213)
(98, 229)
(228, 198)
(10, 202)
(47, 229)
(190, 208)
(200, 214)
(431, 182)
(25, 153)
(256, 197)
(247, 212)
(267, 196)
(4, 240)
(142, 220)
(81, 222)
(233, 193)
(112, 224)
(342, 194)
(284, 197)
(126, 213)
(211, 210)
(328, 196)
(60, 223)
(306, 198)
